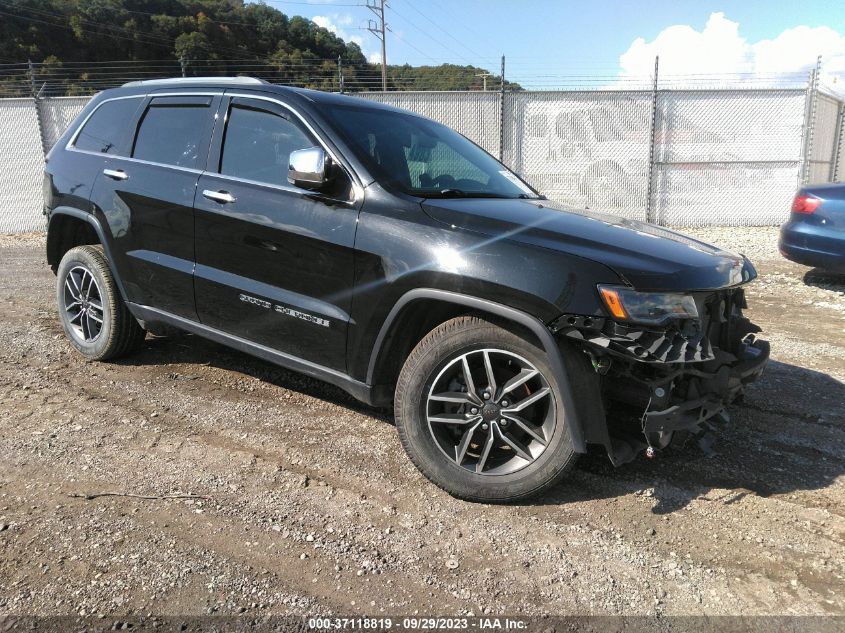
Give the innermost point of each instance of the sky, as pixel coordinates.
(550, 42)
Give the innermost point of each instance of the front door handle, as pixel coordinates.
(117, 174)
(219, 196)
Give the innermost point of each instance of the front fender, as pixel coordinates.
(400, 249)
(533, 324)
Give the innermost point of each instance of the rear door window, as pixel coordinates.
(172, 132)
(106, 131)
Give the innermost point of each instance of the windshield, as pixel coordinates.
(422, 158)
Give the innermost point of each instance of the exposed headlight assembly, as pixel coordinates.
(651, 308)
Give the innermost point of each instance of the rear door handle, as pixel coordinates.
(219, 196)
(117, 174)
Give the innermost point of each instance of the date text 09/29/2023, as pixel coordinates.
(417, 623)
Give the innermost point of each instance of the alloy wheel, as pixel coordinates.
(83, 304)
(491, 412)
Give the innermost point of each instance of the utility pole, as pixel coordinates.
(340, 74)
(484, 76)
(184, 64)
(378, 29)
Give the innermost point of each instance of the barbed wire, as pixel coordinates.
(85, 78)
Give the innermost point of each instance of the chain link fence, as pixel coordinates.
(21, 167)
(839, 149)
(825, 138)
(586, 149)
(726, 157)
(57, 114)
(476, 115)
(675, 157)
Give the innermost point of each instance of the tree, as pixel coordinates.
(73, 37)
(192, 47)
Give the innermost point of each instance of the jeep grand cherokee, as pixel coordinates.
(382, 252)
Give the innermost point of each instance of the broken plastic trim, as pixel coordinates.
(724, 386)
(633, 342)
(680, 376)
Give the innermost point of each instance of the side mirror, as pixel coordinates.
(309, 168)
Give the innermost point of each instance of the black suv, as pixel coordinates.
(384, 253)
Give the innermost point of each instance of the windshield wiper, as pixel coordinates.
(460, 193)
(452, 192)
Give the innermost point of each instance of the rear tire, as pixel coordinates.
(91, 310)
(447, 431)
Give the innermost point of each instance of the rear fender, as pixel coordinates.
(52, 236)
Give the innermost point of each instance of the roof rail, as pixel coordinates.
(197, 80)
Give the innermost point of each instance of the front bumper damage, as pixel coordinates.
(675, 378)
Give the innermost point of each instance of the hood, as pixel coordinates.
(646, 256)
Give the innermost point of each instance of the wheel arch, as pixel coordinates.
(441, 305)
(69, 227)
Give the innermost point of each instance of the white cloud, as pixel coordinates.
(796, 49)
(720, 48)
(336, 23)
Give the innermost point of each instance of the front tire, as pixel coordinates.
(95, 319)
(480, 413)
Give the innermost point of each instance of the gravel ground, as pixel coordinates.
(308, 503)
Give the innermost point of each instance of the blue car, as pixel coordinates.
(815, 232)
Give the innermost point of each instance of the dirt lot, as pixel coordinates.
(312, 505)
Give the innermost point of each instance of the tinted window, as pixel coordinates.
(172, 135)
(422, 158)
(436, 162)
(258, 144)
(106, 130)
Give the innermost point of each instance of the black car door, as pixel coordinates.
(274, 263)
(148, 199)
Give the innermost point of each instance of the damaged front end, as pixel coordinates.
(676, 375)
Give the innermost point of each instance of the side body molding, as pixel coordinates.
(357, 389)
(537, 327)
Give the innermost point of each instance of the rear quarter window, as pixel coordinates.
(106, 131)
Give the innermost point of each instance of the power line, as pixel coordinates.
(457, 20)
(142, 38)
(428, 35)
(69, 27)
(420, 51)
(315, 4)
(425, 17)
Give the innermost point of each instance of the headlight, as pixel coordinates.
(653, 308)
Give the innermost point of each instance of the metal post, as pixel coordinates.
(36, 98)
(836, 158)
(502, 114)
(340, 74)
(810, 122)
(649, 206)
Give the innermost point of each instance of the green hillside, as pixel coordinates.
(79, 45)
